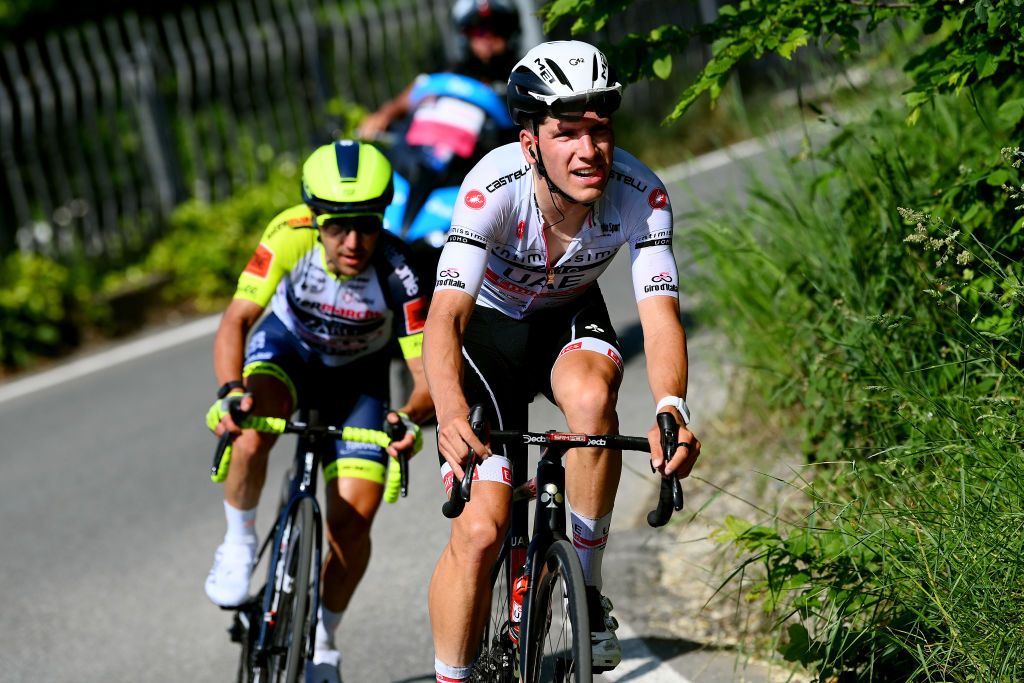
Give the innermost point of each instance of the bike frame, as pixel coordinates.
(548, 527)
(302, 483)
(313, 438)
(548, 487)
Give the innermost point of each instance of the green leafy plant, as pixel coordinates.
(36, 296)
(893, 335)
(970, 44)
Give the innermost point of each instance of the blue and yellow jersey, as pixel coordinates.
(341, 318)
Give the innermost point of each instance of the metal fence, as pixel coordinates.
(106, 127)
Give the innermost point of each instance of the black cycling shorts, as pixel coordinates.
(507, 362)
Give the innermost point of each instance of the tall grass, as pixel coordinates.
(900, 362)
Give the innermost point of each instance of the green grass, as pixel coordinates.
(900, 362)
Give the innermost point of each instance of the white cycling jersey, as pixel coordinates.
(497, 248)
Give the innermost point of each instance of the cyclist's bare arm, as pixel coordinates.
(229, 347)
(450, 310)
(418, 405)
(665, 348)
(378, 121)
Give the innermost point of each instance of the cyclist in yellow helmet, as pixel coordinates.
(340, 290)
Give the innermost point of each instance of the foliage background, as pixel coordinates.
(875, 300)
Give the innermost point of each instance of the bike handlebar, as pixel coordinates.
(670, 498)
(397, 481)
(461, 490)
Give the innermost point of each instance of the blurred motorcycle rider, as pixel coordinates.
(486, 34)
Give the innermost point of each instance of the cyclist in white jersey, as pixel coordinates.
(535, 224)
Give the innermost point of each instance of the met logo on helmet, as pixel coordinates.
(543, 70)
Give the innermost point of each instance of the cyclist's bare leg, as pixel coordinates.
(585, 385)
(351, 506)
(461, 585)
(228, 581)
(248, 470)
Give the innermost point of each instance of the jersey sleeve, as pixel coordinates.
(650, 246)
(478, 210)
(404, 294)
(277, 253)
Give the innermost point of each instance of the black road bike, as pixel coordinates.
(550, 641)
(276, 626)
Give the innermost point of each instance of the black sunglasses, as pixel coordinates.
(335, 225)
(603, 103)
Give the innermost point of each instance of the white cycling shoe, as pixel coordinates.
(607, 652)
(227, 584)
(325, 667)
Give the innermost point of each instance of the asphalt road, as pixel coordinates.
(109, 520)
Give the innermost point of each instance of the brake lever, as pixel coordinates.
(670, 497)
(396, 432)
(462, 490)
(482, 431)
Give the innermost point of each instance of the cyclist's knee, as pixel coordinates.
(351, 505)
(589, 405)
(476, 539)
(252, 448)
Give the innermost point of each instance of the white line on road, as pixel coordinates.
(105, 359)
(639, 664)
(731, 154)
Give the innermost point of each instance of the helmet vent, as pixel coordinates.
(348, 160)
(559, 74)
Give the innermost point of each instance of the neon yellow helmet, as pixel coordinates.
(347, 177)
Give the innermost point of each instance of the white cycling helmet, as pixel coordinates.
(561, 77)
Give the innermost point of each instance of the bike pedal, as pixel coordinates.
(248, 604)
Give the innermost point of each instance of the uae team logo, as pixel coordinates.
(475, 199)
(658, 198)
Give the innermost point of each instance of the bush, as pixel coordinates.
(47, 308)
(207, 245)
(879, 300)
(38, 299)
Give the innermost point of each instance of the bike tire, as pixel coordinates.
(558, 635)
(293, 584)
(496, 660)
(246, 631)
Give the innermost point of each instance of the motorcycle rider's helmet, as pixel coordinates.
(499, 16)
(347, 177)
(562, 77)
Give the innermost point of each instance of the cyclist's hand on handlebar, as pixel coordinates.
(412, 442)
(687, 450)
(455, 438)
(218, 417)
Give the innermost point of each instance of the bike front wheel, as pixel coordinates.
(558, 633)
(292, 598)
(496, 660)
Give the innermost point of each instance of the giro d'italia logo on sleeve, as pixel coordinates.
(658, 198)
(475, 199)
(450, 277)
(662, 282)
